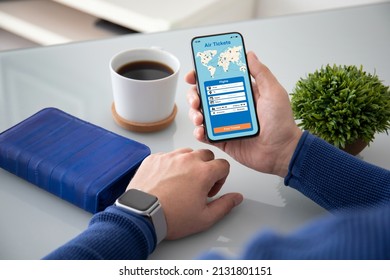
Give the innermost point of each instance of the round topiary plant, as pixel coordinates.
(342, 105)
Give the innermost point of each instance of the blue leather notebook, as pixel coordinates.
(71, 158)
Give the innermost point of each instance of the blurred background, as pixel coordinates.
(30, 23)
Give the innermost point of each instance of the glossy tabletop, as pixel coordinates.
(75, 78)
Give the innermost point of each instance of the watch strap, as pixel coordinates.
(160, 225)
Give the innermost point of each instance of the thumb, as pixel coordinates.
(262, 75)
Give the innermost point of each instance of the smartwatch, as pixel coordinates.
(146, 205)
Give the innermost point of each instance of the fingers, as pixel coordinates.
(194, 101)
(213, 171)
(195, 116)
(182, 180)
(190, 77)
(216, 169)
(220, 207)
(193, 97)
(217, 172)
(199, 134)
(204, 154)
(192, 94)
(181, 151)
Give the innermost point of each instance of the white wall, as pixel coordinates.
(267, 8)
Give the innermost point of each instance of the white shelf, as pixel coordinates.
(10, 41)
(155, 15)
(46, 22)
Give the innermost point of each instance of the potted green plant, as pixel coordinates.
(343, 105)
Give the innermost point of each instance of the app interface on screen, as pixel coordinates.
(224, 84)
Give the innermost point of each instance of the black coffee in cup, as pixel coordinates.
(145, 70)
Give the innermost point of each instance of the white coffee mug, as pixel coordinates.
(139, 104)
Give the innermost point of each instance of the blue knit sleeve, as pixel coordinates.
(334, 179)
(112, 234)
(362, 234)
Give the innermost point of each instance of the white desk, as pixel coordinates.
(75, 78)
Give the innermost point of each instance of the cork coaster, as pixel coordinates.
(143, 127)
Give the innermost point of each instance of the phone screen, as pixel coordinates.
(224, 86)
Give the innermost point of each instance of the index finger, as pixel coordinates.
(190, 77)
(218, 170)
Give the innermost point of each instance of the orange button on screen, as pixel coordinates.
(230, 128)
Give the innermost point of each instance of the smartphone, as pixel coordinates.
(224, 86)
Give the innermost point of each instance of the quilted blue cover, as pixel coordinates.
(73, 159)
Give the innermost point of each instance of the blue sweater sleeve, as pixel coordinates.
(363, 234)
(357, 192)
(112, 234)
(334, 179)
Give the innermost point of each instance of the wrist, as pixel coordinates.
(146, 205)
(287, 153)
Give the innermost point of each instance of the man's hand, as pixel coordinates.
(183, 181)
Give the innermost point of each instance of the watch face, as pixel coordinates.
(137, 199)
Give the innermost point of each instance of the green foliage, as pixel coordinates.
(341, 104)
